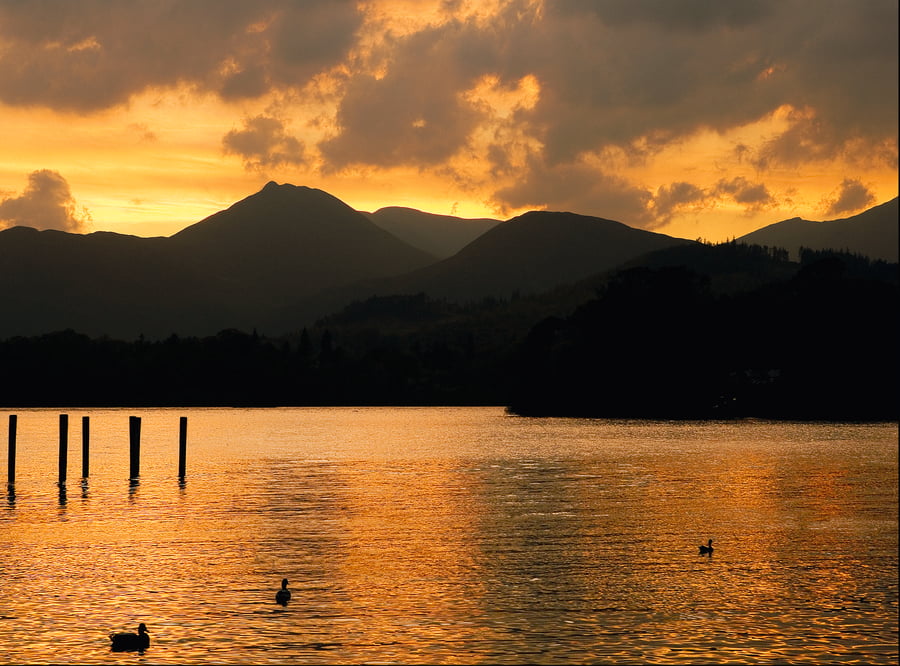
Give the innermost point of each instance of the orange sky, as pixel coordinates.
(693, 118)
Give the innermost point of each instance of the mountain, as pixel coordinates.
(286, 241)
(102, 283)
(227, 271)
(530, 253)
(440, 235)
(873, 233)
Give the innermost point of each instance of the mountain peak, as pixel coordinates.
(872, 233)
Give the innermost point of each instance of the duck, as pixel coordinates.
(707, 549)
(283, 595)
(128, 641)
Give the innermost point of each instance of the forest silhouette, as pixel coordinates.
(736, 331)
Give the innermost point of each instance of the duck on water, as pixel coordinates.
(707, 549)
(128, 641)
(284, 594)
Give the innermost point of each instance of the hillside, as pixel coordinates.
(287, 256)
(528, 254)
(227, 271)
(103, 284)
(287, 241)
(440, 235)
(637, 342)
(872, 233)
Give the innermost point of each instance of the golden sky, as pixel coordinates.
(696, 118)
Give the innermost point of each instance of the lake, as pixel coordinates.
(450, 535)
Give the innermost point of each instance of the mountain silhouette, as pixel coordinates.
(440, 235)
(103, 283)
(873, 233)
(530, 253)
(288, 256)
(287, 240)
(226, 271)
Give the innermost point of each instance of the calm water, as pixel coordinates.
(451, 536)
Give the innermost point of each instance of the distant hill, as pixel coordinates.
(103, 283)
(227, 271)
(530, 253)
(873, 233)
(287, 241)
(440, 235)
(287, 256)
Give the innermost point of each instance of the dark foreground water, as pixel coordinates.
(451, 536)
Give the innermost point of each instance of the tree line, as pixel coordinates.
(650, 341)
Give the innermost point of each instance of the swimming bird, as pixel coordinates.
(283, 595)
(707, 549)
(128, 641)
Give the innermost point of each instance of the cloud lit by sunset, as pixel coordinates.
(695, 118)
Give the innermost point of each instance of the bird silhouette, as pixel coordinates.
(129, 641)
(283, 595)
(707, 549)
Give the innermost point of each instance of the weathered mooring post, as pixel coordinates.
(63, 447)
(11, 457)
(182, 446)
(85, 446)
(134, 426)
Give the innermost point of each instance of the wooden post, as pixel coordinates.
(134, 423)
(11, 458)
(63, 447)
(85, 446)
(182, 446)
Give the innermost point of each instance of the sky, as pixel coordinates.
(696, 118)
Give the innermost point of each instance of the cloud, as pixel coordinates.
(684, 14)
(579, 187)
(623, 71)
(634, 76)
(46, 203)
(95, 54)
(850, 197)
(753, 196)
(673, 198)
(264, 143)
(415, 113)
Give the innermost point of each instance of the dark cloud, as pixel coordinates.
(683, 14)
(46, 203)
(670, 199)
(630, 75)
(249, 82)
(415, 113)
(850, 197)
(310, 37)
(581, 188)
(619, 72)
(264, 143)
(636, 76)
(753, 196)
(94, 54)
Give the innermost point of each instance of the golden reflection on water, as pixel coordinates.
(455, 536)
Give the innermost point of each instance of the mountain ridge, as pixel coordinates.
(440, 235)
(281, 258)
(873, 233)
